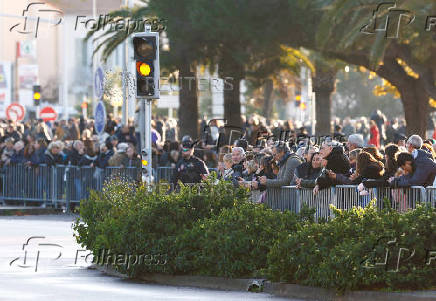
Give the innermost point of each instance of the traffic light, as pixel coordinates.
(36, 94)
(146, 55)
(297, 100)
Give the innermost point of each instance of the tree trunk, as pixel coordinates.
(232, 104)
(267, 103)
(232, 72)
(323, 86)
(416, 106)
(188, 101)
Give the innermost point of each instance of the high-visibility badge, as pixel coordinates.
(144, 162)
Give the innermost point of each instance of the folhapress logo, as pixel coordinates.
(389, 19)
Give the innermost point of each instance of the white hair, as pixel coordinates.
(356, 139)
(415, 141)
(240, 149)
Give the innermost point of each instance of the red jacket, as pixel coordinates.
(375, 136)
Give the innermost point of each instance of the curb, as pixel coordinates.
(28, 211)
(321, 294)
(276, 289)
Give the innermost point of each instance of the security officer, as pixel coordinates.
(189, 169)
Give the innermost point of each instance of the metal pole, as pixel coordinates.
(145, 132)
(125, 107)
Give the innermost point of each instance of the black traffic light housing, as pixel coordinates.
(146, 55)
(36, 95)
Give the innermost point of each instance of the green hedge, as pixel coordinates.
(342, 254)
(214, 230)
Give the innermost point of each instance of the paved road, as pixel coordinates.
(63, 279)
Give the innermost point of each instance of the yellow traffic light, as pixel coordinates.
(298, 97)
(36, 96)
(144, 162)
(143, 68)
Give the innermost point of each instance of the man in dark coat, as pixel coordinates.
(422, 170)
(337, 162)
(189, 169)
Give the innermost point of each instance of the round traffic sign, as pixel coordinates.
(48, 113)
(99, 82)
(15, 112)
(100, 117)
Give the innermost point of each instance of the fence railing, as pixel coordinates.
(60, 184)
(54, 185)
(346, 197)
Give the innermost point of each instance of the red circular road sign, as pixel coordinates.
(15, 112)
(48, 113)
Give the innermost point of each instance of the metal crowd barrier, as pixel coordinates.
(63, 184)
(55, 185)
(346, 197)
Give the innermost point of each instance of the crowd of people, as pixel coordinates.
(358, 152)
(406, 163)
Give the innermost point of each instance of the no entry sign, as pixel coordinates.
(48, 114)
(15, 112)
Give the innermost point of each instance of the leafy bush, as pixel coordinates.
(234, 243)
(342, 253)
(137, 221)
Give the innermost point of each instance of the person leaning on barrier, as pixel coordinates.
(103, 157)
(76, 153)
(288, 162)
(18, 155)
(308, 172)
(53, 155)
(189, 169)
(420, 166)
(337, 163)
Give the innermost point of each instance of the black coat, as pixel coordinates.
(337, 162)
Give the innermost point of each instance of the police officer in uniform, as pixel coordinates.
(189, 169)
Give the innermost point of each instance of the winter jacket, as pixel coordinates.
(337, 162)
(103, 159)
(37, 157)
(51, 159)
(74, 157)
(287, 168)
(307, 174)
(424, 172)
(18, 157)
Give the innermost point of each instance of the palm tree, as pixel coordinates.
(185, 53)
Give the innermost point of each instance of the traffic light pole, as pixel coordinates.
(146, 141)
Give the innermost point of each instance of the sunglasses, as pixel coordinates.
(186, 149)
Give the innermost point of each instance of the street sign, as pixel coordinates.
(48, 114)
(15, 112)
(99, 83)
(100, 117)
